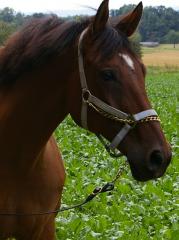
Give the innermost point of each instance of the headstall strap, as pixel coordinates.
(83, 81)
(106, 110)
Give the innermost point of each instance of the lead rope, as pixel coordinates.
(108, 187)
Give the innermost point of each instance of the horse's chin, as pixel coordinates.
(141, 178)
(142, 175)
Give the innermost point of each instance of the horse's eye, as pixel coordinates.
(108, 75)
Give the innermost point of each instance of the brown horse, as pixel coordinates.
(52, 68)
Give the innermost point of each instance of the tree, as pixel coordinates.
(7, 14)
(6, 29)
(135, 43)
(38, 15)
(172, 37)
(19, 19)
(122, 10)
(156, 22)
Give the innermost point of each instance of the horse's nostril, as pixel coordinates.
(156, 160)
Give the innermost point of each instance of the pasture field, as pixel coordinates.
(134, 210)
(164, 55)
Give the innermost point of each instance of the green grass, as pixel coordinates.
(134, 210)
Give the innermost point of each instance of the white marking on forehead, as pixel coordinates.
(128, 60)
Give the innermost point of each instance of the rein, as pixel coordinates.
(107, 111)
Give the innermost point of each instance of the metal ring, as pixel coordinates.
(85, 95)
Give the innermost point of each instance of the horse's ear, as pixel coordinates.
(101, 18)
(129, 22)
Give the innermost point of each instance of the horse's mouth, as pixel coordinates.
(143, 175)
(142, 178)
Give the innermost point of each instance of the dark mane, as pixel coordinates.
(41, 39)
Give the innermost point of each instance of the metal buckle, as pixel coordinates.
(115, 153)
(85, 95)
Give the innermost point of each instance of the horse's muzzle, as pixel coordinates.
(154, 166)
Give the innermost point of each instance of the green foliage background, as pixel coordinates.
(134, 210)
(156, 23)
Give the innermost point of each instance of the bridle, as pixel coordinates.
(89, 100)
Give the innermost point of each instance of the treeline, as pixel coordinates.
(11, 21)
(159, 24)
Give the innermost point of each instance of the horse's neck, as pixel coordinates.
(35, 106)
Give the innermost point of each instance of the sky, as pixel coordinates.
(72, 6)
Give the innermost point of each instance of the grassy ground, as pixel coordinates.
(164, 55)
(134, 211)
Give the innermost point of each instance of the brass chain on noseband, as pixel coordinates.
(122, 120)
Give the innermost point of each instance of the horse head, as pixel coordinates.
(113, 101)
